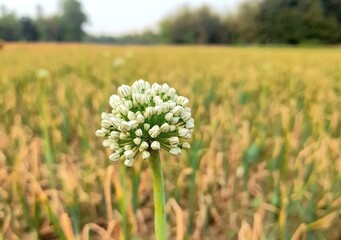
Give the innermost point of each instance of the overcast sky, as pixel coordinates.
(119, 17)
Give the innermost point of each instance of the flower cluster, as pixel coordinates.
(146, 117)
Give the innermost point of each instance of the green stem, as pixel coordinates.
(159, 196)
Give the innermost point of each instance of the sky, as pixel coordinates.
(114, 17)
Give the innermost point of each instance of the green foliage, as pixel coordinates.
(293, 22)
(304, 22)
(192, 26)
(10, 28)
(53, 29)
(65, 26)
(241, 27)
(29, 29)
(72, 20)
(266, 21)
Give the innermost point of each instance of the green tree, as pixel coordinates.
(29, 30)
(319, 27)
(10, 28)
(72, 20)
(242, 26)
(54, 29)
(332, 8)
(200, 25)
(180, 28)
(209, 26)
(293, 21)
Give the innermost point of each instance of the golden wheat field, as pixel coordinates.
(265, 161)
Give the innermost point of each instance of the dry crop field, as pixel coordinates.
(265, 161)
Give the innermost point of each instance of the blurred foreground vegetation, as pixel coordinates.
(264, 164)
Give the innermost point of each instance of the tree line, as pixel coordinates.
(66, 25)
(255, 21)
(263, 21)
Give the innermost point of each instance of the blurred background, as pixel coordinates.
(175, 22)
(264, 83)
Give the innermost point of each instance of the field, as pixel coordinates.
(265, 161)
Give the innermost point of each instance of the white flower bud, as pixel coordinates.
(164, 127)
(129, 154)
(138, 132)
(123, 109)
(105, 116)
(137, 97)
(140, 84)
(140, 118)
(146, 126)
(164, 88)
(174, 120)
(173, 140)
(116, 121)
(123, 136)
(137, 141)
(189, 125)
(127, 147)
(155, 145)
(156, 87)
(182, 101)
(115, 97)
(146, 84)
(105, 130)
(158, 110)
(152, 93)
(129, 162)
(131, 115)
(171, 104)
(106, 124)
(129, 104)
(148, 112)
(154, 131)
(144, 145)
(133, 124)
(115, 134)
(185, 116)
(145, 99)
(169, 116)
(114, 101)
(107, 142)
(174, 151)
(145, 155)
(125, 126)
(171, 92)
(124, 91)
(183, 132)
(114, 146)
(114, 157)
(177, 110)
(100, 133)
(188, 136)
(186, 145)
(157, 100)
(135, 89)
(165, 108)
